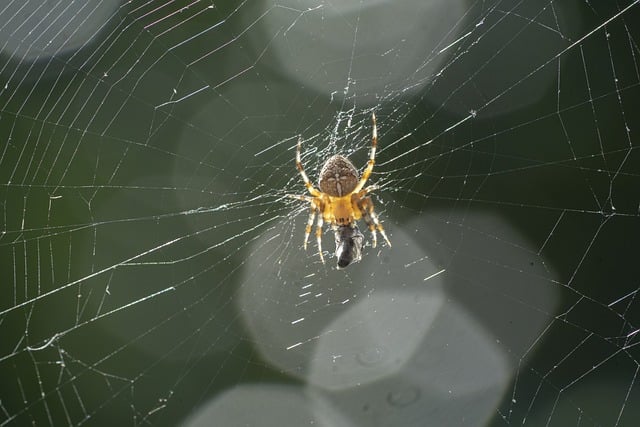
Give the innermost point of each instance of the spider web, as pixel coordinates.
(153, 270)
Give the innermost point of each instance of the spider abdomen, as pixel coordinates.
(338, 176)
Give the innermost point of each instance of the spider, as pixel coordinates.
(341, 201)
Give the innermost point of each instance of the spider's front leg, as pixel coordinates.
(307, 182)
(372, 156)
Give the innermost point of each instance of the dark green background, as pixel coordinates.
(98, 174)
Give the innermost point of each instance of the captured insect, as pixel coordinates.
(341, 201)
(349, 242)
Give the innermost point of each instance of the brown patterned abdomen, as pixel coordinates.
(338, 177)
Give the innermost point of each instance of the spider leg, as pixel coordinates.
(379, 226)
(299, 197)
(307, 229)
(372, 156)
(312, 190)
(319, 236)
(372, 221)
(372, 228)
(367, 190)
(312, 214)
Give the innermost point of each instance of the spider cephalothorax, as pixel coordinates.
(341, 201)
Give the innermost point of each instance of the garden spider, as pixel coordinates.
(341, 201)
